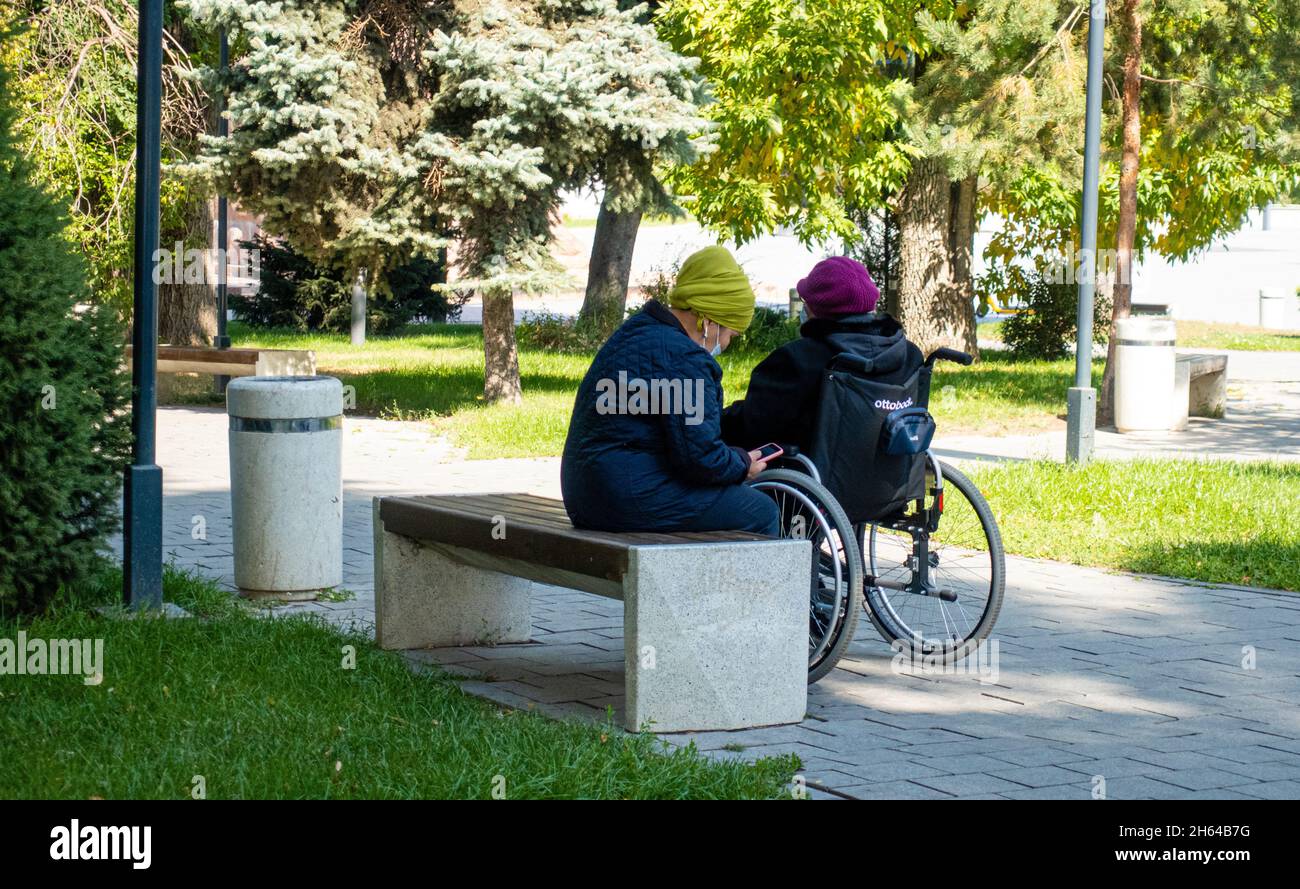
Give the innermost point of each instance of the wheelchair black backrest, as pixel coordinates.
(846, 444)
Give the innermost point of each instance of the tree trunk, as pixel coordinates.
(1126, 230)
(500, 356)
(936, 219)
(610, 269)
(187, 307)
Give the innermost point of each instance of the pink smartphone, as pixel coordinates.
(769, 451)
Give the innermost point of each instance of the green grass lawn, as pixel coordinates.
(435, 373)
(1207, 335)
(1218, 521)
(264, 708)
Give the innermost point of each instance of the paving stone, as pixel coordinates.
(963, 785)
(1253, 753)
(1265, 771)
(894, 790)
(1272, 790)
(1203, 779)
(1040, 776)
(1115, 767)
(1056, 791)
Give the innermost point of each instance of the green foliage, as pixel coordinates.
(553, 332)
(1220, 123)
(807, 106)
(75, 82)
(297, 294)
(403, 125)
(1048, 321)
(64, 432)
(322, 105)
(535, 101)
(770, 329)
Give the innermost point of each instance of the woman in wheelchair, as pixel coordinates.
(851, 394)
(840, 299)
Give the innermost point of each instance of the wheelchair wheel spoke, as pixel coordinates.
(962, 559)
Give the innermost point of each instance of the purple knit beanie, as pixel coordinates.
(838, 286)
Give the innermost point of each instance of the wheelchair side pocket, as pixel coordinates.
(907, 431)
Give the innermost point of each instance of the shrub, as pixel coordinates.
(1047, 324)
(770, 329)
(558, 333)
(295, 293)
(64, 431)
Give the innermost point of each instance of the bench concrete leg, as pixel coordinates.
(1182, 396)
(1208, 395)
(424, 598)
(716, 637)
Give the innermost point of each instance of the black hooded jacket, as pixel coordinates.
(781, 404)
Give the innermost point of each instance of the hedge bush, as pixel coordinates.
(64, 428)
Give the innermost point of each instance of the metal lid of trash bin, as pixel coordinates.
(1145, 332)
(284, 398)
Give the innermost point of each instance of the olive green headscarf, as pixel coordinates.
(711, 285)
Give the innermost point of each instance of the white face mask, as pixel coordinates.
(717, 346)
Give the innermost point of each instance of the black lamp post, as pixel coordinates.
(1082, 398)
(142, 527)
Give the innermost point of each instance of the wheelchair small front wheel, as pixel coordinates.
(936, 575)
(810, 512)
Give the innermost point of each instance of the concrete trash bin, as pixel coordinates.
(1273, 307)
(1144, 374)
(286, 485)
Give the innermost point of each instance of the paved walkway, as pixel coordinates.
(1104, 683)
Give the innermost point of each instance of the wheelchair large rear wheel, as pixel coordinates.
(944, 611)
(809, 511)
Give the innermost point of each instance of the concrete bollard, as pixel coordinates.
(286, 485)
(1144, 374)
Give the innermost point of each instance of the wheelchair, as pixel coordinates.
(929, 572)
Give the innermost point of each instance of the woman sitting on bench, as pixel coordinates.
(840, 299)
(644, 451)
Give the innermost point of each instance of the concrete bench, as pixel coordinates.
(1200, 387)
(715, 624)
(235, 362)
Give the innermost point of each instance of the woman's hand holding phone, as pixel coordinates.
(760, 457)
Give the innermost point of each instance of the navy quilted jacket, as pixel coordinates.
(647, 464)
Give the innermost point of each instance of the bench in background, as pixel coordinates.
(1200, 387)
(235, 362)
(715, 624)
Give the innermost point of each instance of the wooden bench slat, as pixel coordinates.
(558, 522)
(205, 355)
(536, 530)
